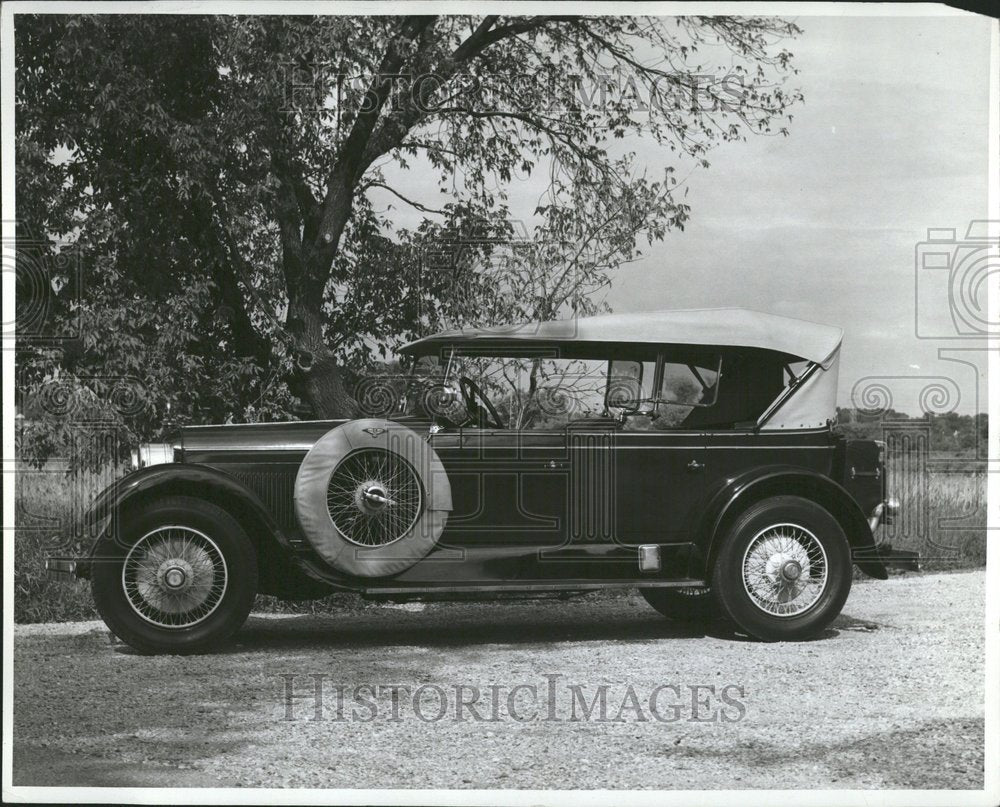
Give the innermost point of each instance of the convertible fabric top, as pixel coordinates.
(723, 327)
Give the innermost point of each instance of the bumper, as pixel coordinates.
(885, 513)
(62, 568)
(79, 546)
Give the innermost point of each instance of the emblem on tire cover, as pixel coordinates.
(374, 431)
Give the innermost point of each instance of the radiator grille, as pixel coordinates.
(276, 490)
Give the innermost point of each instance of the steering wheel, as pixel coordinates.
(470, 393)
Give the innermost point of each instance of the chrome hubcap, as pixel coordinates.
(374, 497)
(175, 574)
(174, 577)
(791, 570)
(785, 570)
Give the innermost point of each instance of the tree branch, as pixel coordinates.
(228, 262)
(533, 122)
(411, 202)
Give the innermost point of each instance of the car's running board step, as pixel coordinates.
(906, 559)
(538, 585)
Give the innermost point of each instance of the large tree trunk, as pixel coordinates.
(319, 379)
(310, 238)
(324, 388)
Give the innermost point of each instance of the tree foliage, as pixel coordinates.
(234, 186)
(946, 431)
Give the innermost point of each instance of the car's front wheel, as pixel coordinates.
(180, 577)
(783, 571)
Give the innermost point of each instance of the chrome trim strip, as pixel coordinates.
(692, 447)
(265, 423)
(255, 447)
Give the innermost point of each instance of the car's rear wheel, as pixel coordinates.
(180, 577)
(783, 571)
(683, 604)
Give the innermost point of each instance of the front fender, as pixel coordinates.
(191, 479)
(737, 494)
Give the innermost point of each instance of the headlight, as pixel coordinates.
(152, 454)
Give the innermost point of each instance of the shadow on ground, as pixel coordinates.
(434, 628)
(45, 767)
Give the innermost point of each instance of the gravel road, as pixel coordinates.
(890, 697)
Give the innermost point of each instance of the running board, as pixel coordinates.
(560, 585)
(906, 559)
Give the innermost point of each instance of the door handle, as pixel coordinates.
(694, 465)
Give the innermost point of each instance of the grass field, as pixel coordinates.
(943, 517)
(943, 512)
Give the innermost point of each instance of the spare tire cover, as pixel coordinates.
(372, 497)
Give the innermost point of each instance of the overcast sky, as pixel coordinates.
(824, 224)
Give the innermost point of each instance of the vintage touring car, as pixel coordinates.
(690, 454)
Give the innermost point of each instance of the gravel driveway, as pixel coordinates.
(890, 697)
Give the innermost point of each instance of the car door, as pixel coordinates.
(659, 463)
(659, 485)
(509, 488)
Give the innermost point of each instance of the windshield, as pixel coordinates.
(528, 392)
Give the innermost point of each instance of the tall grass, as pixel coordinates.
(943, 517)
(47, 503)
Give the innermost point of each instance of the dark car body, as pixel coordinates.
(592, 503)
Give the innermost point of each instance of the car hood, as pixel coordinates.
(286, 436)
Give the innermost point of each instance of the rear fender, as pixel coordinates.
(745, 490)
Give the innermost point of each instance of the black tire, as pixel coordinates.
(822, 540)
(372, 458)
(231, 585)
(683, 604)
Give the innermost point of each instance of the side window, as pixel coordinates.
(536, 392)
(559, 391)
(630, 383)
(688, 383)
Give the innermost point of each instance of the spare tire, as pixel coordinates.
(372, 497)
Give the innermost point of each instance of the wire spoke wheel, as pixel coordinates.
(374, 497)
(174, 577)
(785, 570)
